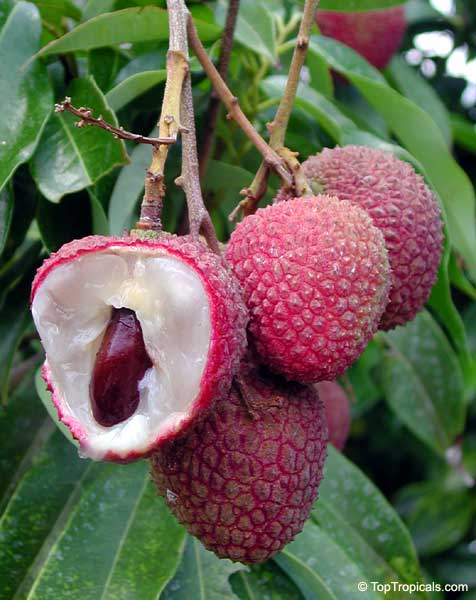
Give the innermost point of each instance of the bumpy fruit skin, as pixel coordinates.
(374, 34)
(228, 316)
(315, 277)
(337, 409)
(401, 205)
(245, 479)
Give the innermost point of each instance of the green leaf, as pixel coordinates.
(355, 5)
(100, 223)
(55, 10)
(97, 547)
(128, 188)
(103, 66)
(6, 210)
(133, 86)
(94, 8)
(25, 90)
(69, 158)
(436, 517)
(417, 89)
(143, 24)
(320, 75)
(321, 568)
(13, 272)
(464, 132)
(45, 397)
(264, 581)
(354, 513)
(35, 506)
(14, 319)
(201, 576)
(422, 381)
(255, 27)
(421, 136)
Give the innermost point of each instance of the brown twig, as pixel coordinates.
(169, 127)
(213, 109)
(198, 217)
(279, 125)
(271, 158)
(86, 118)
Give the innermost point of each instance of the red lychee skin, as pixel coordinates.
(245, 479)
(337, 409)
(376, 34)
(315, 277)
(228, 316)
(401, 205)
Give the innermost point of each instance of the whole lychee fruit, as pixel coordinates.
(375, 34)
(244, 480)
(337, 409)
(315, 277)
(401, 205)
(141, 337)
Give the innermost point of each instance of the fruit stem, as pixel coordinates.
(279, 125)
(198, 217)
(169, 125)
(213, 109)
(271, 158)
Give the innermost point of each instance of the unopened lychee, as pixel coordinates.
(315, 277)
(337, 408)
(245, 479)
(401, 205)
(374, 34)
(141, 338)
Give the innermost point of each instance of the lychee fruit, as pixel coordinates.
(244, 480)
(141, 338)
(337, 408)
(315, 276)
(401, 205)
(375, 34)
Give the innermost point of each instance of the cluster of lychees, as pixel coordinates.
(146, 342)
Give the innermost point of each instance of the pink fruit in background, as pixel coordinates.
(337, 409)
(244, 480)
(315, 277)
(141, 338)
(374, 34)
(402, 207)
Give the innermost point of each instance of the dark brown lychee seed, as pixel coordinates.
(121, 363)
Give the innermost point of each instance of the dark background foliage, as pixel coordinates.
(70, 528)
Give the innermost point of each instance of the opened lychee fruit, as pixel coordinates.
(315, 277)
(141, 337)
(374, 34)
(337, 408)
(244, 480)
(401, 205)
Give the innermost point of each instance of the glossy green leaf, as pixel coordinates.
(464, 132)
(94, 8)
(201, 576)
(24, 90)
(421, 136)
(104, 65)
(436, 517)
(329, 574)
(422, 380)
(99, 218)
(262, 581)
(353, 512)
(27, 418)
(45, 397)
(98, 539)
(6, 210)
(416, 88)
(352, 5)
(129, 186)
(141, 24)
(35, 507)
(14, 319)
(255, 27)
(69, 158)
(133, 86)
(22, 262)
